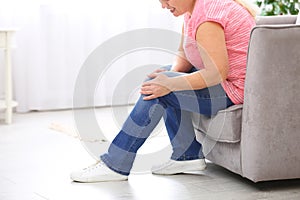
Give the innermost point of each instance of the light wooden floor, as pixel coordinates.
(35, 163)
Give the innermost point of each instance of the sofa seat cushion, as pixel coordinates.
(223, 127)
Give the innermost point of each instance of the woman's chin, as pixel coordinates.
(175, 14)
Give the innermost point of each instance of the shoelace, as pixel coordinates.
(93, 166)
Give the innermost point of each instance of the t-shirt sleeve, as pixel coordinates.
(211, 10)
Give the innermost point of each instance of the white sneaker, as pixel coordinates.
(98, 172)
(176, 167)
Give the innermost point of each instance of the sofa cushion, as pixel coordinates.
(223, 127)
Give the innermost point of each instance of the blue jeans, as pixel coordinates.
(176, 108)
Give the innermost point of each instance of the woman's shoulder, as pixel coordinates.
(216, 10)
(213, 6)
(205, 10)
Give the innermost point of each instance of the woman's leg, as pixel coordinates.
(178, 116)
(182, 136)
(117, 162)
(178, 119)
(142, 120)
(146, 115)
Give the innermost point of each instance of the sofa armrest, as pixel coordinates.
(271, 113)
(273, 20)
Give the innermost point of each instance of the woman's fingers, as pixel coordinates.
(156, 72)
(149, 97)
(153, 75)
(146, 89)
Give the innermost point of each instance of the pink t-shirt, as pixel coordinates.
(237, 24)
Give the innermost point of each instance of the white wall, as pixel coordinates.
(55, 38)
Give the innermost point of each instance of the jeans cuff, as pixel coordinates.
(109, 165)
(185, 157)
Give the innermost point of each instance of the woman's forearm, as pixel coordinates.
(198, 80)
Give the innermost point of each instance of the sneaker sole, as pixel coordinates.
(179, 169)
(98, 179)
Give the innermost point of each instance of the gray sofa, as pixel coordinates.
(260, 140)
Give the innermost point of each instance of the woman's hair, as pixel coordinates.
(252, 8)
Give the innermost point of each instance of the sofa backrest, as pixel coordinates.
(273, 67)
(271, 120)
(273, 63)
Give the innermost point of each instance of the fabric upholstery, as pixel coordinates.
(224, 127)
(267, 147)
(270, 130)
(224, 154)
(276, 20)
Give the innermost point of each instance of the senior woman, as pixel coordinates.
(207, 76)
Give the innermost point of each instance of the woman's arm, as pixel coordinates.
(212, 47)
(181, 64)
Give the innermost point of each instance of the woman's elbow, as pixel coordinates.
(225, 74)
(222, 73)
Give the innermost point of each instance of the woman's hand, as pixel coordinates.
(159, 86)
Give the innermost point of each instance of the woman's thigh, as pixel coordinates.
(207, 101)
